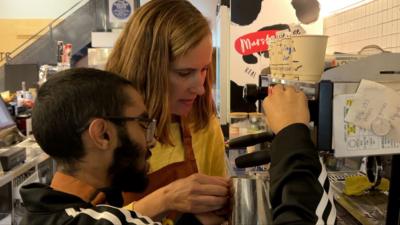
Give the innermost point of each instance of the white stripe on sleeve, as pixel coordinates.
(95, 215)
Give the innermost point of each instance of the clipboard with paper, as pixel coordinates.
(351, 140)
(366, 106)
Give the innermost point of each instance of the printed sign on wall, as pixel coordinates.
(120, 10)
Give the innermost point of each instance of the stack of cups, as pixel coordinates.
(298, 57)
(287, 46)
(273, 63)
(276, 58)
(308, 55)
(279, 60)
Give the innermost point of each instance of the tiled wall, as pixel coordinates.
(376, 22)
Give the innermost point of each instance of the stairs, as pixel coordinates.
(76, 29)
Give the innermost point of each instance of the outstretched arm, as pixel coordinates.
(299, 183)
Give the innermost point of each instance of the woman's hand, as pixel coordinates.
(197, 193)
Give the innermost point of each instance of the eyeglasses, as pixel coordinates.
(147, 123)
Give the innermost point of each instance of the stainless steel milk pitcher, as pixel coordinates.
(250, 203)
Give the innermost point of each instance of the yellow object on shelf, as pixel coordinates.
(7, 96)
(359, 185)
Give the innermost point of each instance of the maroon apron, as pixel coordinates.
(169, 173)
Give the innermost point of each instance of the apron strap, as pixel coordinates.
(188, 146)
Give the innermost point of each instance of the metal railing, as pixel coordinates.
(8, 56)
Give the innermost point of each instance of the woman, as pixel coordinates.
(166, 51)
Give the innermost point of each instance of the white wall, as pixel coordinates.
(208, 8)
(374, 23)
(328, 7)
(34, 9)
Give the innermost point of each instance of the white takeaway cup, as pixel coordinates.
(279, 58)
(308, 55)
(273, 63)
(287, 46)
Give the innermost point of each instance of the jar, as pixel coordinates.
(238, 125)
(21, 121)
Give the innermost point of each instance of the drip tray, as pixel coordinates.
(367, 209)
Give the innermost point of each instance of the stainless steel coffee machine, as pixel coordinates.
(382, 68)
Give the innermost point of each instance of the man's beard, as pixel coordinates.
(124, 172)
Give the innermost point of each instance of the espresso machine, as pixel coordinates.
(382, 68)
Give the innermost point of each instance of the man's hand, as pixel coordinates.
(284, 106)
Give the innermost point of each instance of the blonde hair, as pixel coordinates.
(158, 33)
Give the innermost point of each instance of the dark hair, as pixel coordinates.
(67, 102)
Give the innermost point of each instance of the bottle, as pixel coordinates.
(67, 56)
(60, 52)
(21, 94)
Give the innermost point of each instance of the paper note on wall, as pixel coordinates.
(350, 140)
(377, 108)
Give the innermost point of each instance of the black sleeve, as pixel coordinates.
(299, 184)
(188, 218)
(106, 215)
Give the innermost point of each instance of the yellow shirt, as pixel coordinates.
(208, 146)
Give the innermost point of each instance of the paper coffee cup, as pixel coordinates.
(276, 58)
(273, 62)
(279, 56)
(287, 48)
(308, 56)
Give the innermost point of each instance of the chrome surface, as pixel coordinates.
(250, 201)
